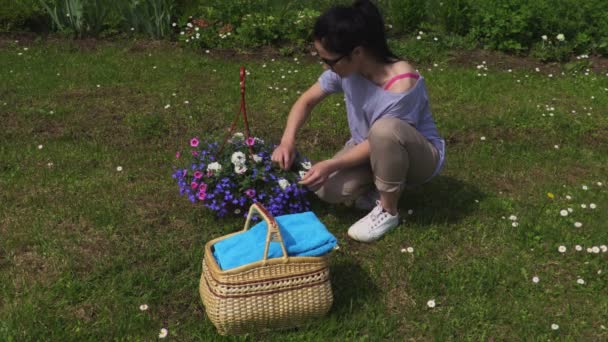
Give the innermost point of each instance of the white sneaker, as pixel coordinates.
(374, 225)
(368, 200)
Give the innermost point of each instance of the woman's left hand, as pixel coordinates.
(318, 174)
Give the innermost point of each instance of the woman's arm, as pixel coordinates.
(284, 154)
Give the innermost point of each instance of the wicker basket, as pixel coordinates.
(269, 294)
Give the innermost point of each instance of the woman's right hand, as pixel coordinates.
(284, 155)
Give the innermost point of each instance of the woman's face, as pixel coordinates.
(340, 64)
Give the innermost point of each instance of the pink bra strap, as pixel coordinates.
(398, 77)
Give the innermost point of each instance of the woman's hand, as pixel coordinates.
(284, 155)
(318, 174)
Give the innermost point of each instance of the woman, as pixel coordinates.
(394, 142)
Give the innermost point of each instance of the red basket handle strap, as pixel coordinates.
(243, 110)
(273, 234)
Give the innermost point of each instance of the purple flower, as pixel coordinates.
(250, 193)
(250, 141)
(194, 142)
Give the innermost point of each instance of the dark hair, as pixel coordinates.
(342, 28)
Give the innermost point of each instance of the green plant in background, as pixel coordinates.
(152, 17)
(552, 49)
(16, 14)
(79, 17)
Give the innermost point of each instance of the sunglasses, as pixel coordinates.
(332, 62)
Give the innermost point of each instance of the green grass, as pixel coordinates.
(83, 245)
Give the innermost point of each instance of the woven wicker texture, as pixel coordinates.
(265, 295)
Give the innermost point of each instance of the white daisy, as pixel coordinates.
(283, 183)
(595, 249)
(513, 218)
(592, 206)
(568, 197)
(585, 187)
(563, 212)
(240, 169)
(119, 168)
(410, 249)
(554, 326)
(578, 224)
(578, 248)
(215, 166)
(535, 279)
(302, 173)
(561, 37)
(584, 206)
(431, 303)
(562, 249)
(163, 333)
(143, 307)
(167, 106)
(604, 248)
(40, 147)
(238, 158)
(581, 281)
(515, 224)
(570, 210)
(306, 165)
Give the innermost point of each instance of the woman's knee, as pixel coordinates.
(383, 131)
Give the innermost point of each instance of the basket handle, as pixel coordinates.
(273, 234)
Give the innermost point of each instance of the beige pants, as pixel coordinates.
(400, 157)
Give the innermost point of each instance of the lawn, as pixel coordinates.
(83, 245)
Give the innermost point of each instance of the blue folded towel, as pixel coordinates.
(303, 235)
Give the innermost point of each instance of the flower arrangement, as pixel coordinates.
(228, 180)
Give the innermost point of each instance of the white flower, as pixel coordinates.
(167, 106)
(240, 169)
(306, 165)
(403, 250)
(535, 279)
(143, 307)
(570, 210)
(544, 37)
(562, 249)
(554, 326)
(163, 333)
(578, 248)
(599, 184)
(50, 164)
(580, 281)
(215, 166)
(283, 183)
(515, 224)
(568, 197)
(564, 212)
(431, 303)
(418, 37)
(578, 224)
(482, 138)
(238, 158)
(410, 249)
(302, 174)
(592, 206)
(513, 218)
(186, 102)
(595, 249)
(119, 168)
(589, 250)
(336, 247)
(40, 147)
(561, 37)
(238, 136)
(584, 206)
(585, 187)
(256, 158)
